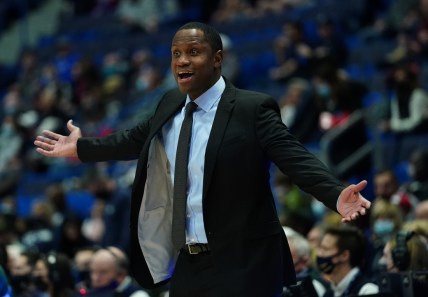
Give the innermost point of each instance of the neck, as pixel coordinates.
(340, 271)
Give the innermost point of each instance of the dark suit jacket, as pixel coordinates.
(248, 245)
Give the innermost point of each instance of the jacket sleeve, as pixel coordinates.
(122, 145)
(292, 158)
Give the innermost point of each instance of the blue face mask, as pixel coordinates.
(324, 90)
(383, 227)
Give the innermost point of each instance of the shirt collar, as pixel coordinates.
(345, 282)
(210, 98)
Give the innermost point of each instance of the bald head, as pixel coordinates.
(108, 265)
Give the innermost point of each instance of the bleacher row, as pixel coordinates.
(252, 41)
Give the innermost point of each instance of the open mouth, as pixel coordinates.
(184, 75)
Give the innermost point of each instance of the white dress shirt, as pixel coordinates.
(366, 289)
(203, 119)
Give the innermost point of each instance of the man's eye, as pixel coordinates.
(193, 51)
(176, 54)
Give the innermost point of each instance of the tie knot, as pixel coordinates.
(191, 107)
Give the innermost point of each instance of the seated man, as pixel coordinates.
(109, 275)
(340, 257)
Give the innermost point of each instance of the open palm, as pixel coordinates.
(57, 145)
(351, 203)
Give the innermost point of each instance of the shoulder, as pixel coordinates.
(420, 95)
(368, 288)
(244, 98)
(140, 293)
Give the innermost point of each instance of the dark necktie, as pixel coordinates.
(180, 179)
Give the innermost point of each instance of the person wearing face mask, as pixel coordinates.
(81, 263)
(52, 276)
(386, 220)
(405, 253)
(20, 273)
(300, 252)
(340, 258)
(109, 275)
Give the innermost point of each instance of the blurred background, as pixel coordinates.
(350, 78)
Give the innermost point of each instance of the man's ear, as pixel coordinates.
(345, 256)
(218, 58)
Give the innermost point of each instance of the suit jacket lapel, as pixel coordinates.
(166, 111)
(221, 120)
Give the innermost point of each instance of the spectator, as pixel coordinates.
(296, 103)
(11, 147)
(292, 53)
(300, 252)
(93, 227)
(52, 276)
(329, 46)
(145, 15)
(409, 104)
(230, 10)
(116, 208)
(396, 259)
(81, 261)
(386, 187)
(340, 257)
(69, 237)
(418, 170)
(386, 220)
(40, 232)
(20, 273)
(109, 275)
(28, 77)
(11, 142)
(407, 252)
(337, 96)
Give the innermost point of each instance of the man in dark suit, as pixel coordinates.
(234, 243)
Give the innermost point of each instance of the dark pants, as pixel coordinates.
(194, 276)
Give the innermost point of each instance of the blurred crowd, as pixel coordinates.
(56, 243)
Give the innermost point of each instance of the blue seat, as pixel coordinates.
(80, 202)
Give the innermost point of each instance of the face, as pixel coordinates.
(300, 262)
(385, 186)
(102, 270)
(20, 266)
(194, 64)
(41, 270)
(327, 246)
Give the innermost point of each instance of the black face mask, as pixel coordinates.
(39, 283)
(20, 283)
(325, 264)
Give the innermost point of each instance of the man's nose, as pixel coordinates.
(183, 60)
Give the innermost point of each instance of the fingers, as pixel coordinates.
(44, 144)
(51, 134)
(355, 215)
(70, 125)
(41, 139)
(360, 186)
(44, 152)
